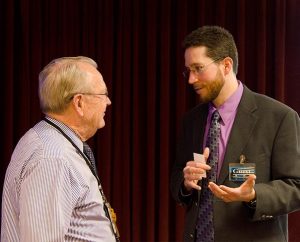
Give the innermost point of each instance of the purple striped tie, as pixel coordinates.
(205, 226)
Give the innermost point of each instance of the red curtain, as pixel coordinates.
(137, 45)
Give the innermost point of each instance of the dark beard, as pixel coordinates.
(213, 89)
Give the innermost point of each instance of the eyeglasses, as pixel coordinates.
(197, 70)
(95, 94)
(90, 94)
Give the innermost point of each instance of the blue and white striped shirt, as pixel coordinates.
(49, 193)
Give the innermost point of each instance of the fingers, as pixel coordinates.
(218, 192)
(195, 170)
(244, 192)
(250, 180)
(191, 178)
(191, 185)
(247, 188)
(197, 165)
(192, 173)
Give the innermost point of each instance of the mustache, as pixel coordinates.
(197, 86)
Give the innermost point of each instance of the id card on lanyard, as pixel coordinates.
(239, 172)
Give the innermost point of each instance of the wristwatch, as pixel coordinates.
(251, 204)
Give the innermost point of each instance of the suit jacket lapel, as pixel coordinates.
(242, 128)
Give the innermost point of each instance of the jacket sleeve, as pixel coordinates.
(176, 183)
(281, 195)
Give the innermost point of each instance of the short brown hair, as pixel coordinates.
(218, 41)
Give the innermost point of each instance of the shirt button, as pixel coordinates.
(191, 235)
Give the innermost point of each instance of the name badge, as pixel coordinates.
(239, 172)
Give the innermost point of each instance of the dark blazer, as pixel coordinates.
(267, 133)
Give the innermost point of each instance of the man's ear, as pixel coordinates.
(228, 65)
(78, 104)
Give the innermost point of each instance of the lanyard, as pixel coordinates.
(110, 214)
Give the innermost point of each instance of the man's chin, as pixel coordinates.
(102, 124)
(200, 91)
(202, 94)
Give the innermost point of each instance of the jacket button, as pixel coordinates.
(191, 235)
(196, 204)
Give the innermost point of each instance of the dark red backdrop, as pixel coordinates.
(137, 45)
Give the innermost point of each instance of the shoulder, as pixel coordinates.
(264, 105)
(54, 144)
(42, 143)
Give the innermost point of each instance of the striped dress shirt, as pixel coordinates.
(49, 193)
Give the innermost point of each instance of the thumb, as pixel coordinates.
(206, 153)
(250, 180)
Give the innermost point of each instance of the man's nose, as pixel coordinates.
(192, 78)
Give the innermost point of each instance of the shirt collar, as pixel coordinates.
(228, 108)
(68, 131)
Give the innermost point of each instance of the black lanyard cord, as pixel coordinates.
(87, 160)
(107, 206)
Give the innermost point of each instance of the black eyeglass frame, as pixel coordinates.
(198, 70)
(89, 94)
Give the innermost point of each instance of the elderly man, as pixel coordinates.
(52, 191)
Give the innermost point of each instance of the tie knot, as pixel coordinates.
(89, 153)
(86, 147)
(216, 116)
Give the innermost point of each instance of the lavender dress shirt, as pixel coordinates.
(227, 112)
